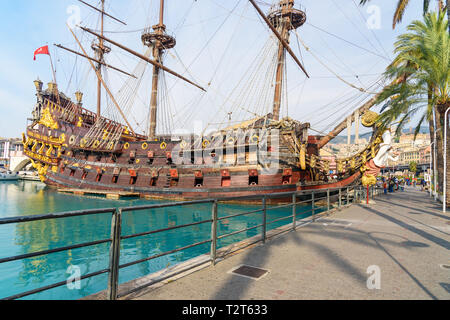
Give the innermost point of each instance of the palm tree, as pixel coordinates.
(413, 167)
(424, 55)
(401, 8)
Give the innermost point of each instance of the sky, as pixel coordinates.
(219, 46)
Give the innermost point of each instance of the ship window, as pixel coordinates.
(198, 182)
(84, 176)
(226, 181)
(133, 180)
(286, 179)
(115, 179)
(253, 180)
(153, 181)
(169, 158)
(173, 182)
(72, 172)
(99, 177)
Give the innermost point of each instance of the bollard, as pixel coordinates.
(312, 204)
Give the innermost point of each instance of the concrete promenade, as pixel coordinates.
(405, 234)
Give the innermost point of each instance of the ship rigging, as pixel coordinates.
(70, 145)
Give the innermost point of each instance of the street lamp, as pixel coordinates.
(444, 204)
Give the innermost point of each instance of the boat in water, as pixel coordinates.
(6, 175)
(74, 147)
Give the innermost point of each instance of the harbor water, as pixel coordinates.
(25, 198)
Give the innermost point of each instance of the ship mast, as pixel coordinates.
(284, 19)
(281, 20)
(100, 50)
(159, 40)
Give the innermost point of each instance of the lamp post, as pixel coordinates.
(444, 204)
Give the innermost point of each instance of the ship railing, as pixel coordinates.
(335, 198)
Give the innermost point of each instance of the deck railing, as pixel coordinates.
(341, 196)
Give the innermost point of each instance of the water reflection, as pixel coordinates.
(30, 198)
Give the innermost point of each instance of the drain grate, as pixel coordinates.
(250, 272)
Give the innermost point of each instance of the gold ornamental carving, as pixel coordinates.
(47, 119)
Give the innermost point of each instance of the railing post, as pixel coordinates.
(294, 211)
(328, 199)
(348, 196)
(340, 196)
(264, 219)
(355, 200)
(114, 255)
(312, 205)
(214, 233)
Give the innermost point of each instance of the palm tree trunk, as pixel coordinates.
(439, 149)
(443, 108)
(431, 126)
(433, 142)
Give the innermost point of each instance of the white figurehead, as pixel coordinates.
(385, 153)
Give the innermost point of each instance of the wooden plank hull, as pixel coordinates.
(164, 168)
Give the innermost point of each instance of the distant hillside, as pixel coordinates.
(343, 138)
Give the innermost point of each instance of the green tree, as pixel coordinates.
(413, 167)
(403, 4)
(423, 54)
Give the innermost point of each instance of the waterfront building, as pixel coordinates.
(10, 148)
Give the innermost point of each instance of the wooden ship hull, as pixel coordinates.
(54, 143)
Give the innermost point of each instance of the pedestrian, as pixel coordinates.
(391, 185)
(385, 187)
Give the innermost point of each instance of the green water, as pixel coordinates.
(33, 198)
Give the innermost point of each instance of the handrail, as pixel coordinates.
(116, 229)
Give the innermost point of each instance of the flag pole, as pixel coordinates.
(54, 78)
(53, 69)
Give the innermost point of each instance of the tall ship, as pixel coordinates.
(74, 147)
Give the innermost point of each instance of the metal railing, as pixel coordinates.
(341, 196)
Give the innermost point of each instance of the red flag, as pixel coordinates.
(42, 50)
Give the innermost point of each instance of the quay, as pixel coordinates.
(29, 178)
(404, 234)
